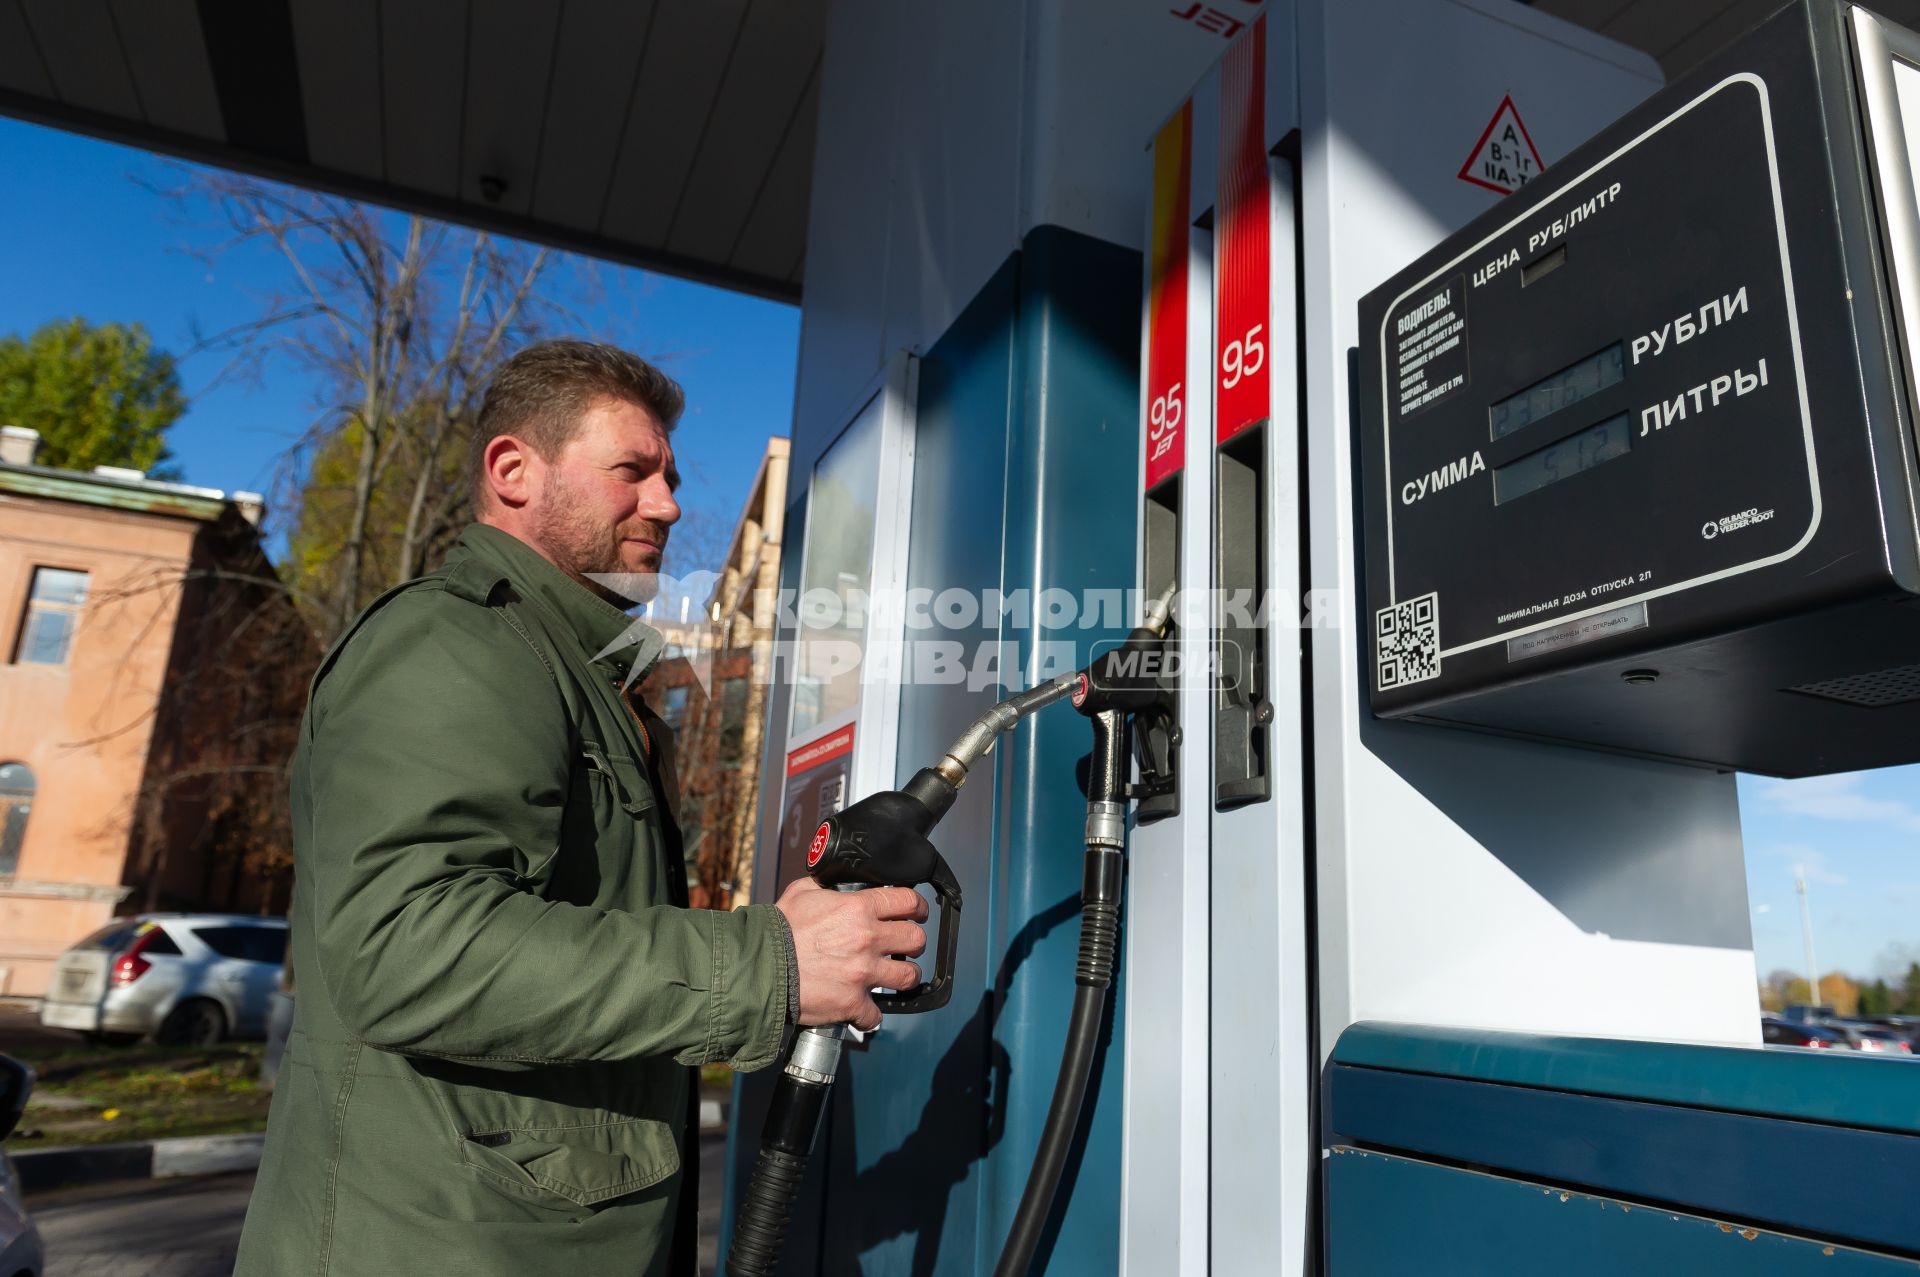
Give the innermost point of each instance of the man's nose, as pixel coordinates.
(657, 502)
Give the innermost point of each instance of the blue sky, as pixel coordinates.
(86, 232)
(1858, 838)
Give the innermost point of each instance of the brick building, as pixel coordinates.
(116, 592)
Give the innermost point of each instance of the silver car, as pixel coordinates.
(20, 1251)
(184, 978)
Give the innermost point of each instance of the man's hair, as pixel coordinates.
(541, 393)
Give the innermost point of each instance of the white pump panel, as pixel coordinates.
(1431, 876)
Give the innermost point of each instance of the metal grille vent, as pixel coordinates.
(1883, 687)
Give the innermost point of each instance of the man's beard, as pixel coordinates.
(583, 548)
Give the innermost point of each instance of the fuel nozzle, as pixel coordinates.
(881, 841)
(1131, 676)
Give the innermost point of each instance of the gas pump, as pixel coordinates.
(1297, 864)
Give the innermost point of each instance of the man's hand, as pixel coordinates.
(845, 942)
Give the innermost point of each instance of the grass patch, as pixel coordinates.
(97, 1094)
(154, 1092)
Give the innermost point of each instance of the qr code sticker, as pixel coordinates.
(1407, 642)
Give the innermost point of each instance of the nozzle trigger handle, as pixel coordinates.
(931, 995)
(880, 842)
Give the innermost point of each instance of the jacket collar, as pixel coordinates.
(622, 643)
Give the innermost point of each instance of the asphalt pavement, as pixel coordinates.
(144, 1228)
(191, 1227)
(21, 1032)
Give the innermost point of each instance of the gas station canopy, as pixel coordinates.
(676, 136)
(670, 134)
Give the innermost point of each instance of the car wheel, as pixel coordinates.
(196, 1022)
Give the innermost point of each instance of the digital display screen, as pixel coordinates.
(1611, 438)
(1567, 387)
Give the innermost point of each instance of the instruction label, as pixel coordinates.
(1429, 342)
(1584, 629)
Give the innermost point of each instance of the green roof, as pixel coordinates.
(142, 496)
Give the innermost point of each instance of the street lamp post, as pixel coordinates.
(1806, 933)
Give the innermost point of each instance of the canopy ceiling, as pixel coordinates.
(671, 134)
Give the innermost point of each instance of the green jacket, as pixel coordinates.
(500, 986)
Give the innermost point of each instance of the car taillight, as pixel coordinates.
(1819, 1044)
(132, 965)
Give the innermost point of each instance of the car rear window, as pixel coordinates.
(158, 941)
(250, 944)
(114, 935)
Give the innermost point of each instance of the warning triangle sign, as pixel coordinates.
(1505, 158)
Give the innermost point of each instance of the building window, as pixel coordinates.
(733, 716)
(53, 611)
(673, 707)
(16, 804)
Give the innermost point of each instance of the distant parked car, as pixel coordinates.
(184, 978)
(20, 1251)
(1801, 1013)
(1775, 1031)
(1907, 1026)
(1867, 1036)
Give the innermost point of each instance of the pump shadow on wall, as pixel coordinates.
(1654, 869)
(907, 1191)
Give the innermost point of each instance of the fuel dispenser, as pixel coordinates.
(1635, 473)
(1638, 450)
(1344, 920)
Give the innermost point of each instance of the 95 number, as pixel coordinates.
(1242, 358)
(1164, 413)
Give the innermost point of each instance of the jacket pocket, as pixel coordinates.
(585, 1165)
(583, 1133)
(621, 775)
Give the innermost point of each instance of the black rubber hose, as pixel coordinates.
(1099, 937)
(760, 1229)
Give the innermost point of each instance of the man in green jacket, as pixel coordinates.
(501, 986)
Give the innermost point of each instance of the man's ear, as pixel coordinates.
(511, 470)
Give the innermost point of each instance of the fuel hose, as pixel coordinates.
(1093, 976)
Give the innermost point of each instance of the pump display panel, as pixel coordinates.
(1637, 460)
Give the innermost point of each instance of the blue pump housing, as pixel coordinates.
(1027, 404)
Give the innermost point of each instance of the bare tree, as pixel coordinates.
(209, 821)
(402, 321)
(405, 321)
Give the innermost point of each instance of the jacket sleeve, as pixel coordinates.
(439, 764)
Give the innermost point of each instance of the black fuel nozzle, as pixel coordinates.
(881, 841)
(1134, 680)
(1131, 677)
